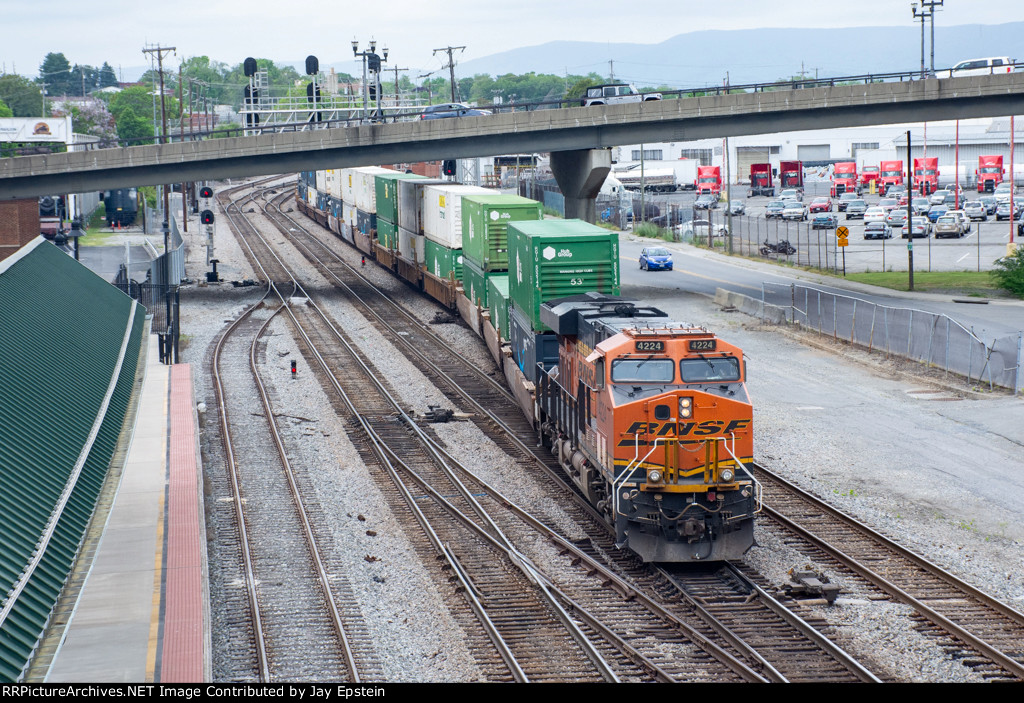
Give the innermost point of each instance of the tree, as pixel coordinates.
(134, 129)
(5, 111)
(107, 79)
(1009, 273)
(91, 117)
(55, 74)
(21, 95)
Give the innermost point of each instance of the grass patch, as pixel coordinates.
(646, 229)
(970, 283)
(552, 212)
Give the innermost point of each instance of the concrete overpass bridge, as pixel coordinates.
(576, 137)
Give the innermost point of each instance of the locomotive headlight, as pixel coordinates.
(727, 475)
(685, 407)
(654, 476)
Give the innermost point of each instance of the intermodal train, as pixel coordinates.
(648, 416)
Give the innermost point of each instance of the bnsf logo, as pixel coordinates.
(684, 429)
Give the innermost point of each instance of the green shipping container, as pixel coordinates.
(387, 193)
(387, 233)
(474, 281)
(485, 221)
(551, 259)
(497, 302)
(442, 261)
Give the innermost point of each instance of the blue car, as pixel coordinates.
(653, 258)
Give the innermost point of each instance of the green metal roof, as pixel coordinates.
(69, 347)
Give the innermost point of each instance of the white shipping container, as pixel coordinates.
(410, 202)
(334, 183)
(411, 246)
(347, 176)
(442, 212)
(366, 187)
(348, 215)
(321, 181)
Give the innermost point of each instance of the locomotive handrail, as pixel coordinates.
(628, 472)
(758, 488)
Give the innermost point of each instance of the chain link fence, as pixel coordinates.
(930, 338)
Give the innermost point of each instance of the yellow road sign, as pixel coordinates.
(843, 232)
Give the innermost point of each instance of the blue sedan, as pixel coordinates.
(653, 258)
(825, 221)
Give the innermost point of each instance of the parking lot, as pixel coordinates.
(976, 251)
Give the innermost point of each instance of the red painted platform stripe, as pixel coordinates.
(183, 640)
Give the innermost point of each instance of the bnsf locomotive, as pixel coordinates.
(651, 419)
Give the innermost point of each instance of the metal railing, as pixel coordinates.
(933, 339)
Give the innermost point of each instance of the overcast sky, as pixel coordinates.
(116, 31)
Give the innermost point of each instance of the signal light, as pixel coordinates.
(449, 167)
(206, 217)
(206, 192)
(293, 368)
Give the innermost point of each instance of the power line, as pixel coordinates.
(451, 65)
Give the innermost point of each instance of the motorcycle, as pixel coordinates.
(783, 247)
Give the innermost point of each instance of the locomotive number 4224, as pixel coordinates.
(702, 345)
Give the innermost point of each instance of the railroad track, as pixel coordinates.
(991, 632)
(418, 342)
(295, 615)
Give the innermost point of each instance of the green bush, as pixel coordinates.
(1009, 273)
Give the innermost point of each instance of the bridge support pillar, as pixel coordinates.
(580, 174)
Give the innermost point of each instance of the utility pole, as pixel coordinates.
(451, 65)
(430, 97)
(396, 69)
(160, 51)
(611, 70)
(910, 220)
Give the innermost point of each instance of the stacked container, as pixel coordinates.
(387, 206)
(411, 241)
(442, 227)
(497, 303)
(551, 259)
(485, 220)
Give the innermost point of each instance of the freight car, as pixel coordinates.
(649, 417)
(121, 206)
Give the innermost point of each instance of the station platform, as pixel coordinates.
(141, 613)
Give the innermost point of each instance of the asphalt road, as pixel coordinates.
(702, 271)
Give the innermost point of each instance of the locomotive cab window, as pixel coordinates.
(643, 371)
(703, 369)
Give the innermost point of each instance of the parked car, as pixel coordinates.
(937, 211)
(990, 204)
(792, 194)
(1002, 192)
(844, 199)
(825, 220)
(855, 209)
(1003, 210)
(821, 205)
(737, 207)
(654, 258)
(896, 217)
(794, 210)
(938, 197)
(976, 210)
(701, 228)
(888, 204)
(708, 201)
(948, 226)
(895, 190)
(921, 227)
(436, 112)
(877, 230)
(872, 214)
(920, 206)
(773, 210)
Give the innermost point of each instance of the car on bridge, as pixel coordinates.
(437, 112)
(613, 94)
